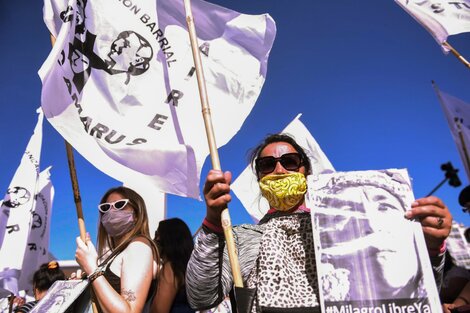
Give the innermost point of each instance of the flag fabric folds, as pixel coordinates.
(37, 248)
(16, 209)
(441, 19)
(457, 113)
(120, 86)
(155, 202)
(246, 186)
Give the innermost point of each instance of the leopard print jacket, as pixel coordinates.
(276, 257)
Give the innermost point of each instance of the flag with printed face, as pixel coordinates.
(37, 248)
(246, 186)
(16, 211)
(120, 85)
(441, 19)
(457, 114)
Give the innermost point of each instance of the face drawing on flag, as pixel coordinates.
(112, 83)
(16, 196)
(130, 53)
(68, 13)
(375, 233)
(37, 221)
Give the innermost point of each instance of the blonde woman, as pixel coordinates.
(123, 271)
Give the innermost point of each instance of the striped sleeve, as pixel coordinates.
(25, 308)
(208, 275)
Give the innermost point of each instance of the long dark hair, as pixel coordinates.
(175, 244)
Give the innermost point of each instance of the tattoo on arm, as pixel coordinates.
(128, 295)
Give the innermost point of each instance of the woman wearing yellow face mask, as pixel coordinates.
(277, 258)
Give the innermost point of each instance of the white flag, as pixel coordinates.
(16, 211)
(37, 248)
(441, 19)
(457, 114)
(155, 202)
(120, 86)
(246, 186)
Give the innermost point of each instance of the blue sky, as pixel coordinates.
(359, 71)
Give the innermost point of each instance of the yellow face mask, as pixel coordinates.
(284, 191)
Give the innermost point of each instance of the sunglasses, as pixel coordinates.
(290, 161)
(118, 205)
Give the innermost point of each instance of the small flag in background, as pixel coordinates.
(441, 19)
(15, 215)
(246, 186)
(457, 114)
(37, 248)
(120, 85)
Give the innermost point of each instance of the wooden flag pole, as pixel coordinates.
(76, 191)
(76, 194)
(458, 55)
(73, 177)
(225, 216)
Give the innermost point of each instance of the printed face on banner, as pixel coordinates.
(120, 84)
(388, 251)
(129, 53)
(367, 250)
(16, 196)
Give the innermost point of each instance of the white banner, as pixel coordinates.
(120, 85)
(440, 18)
(369, 257)
(155, 202)
(457, 114)
(37, 248)
(246, 186)
(16, 210)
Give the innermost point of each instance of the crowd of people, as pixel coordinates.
(131, 272)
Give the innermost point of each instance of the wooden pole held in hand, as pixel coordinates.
(76, 191)
(225, 216)
(73, 177)
(76, 194)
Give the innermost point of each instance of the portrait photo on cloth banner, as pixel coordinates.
(368, 255)
(120, 84)
(69, 296)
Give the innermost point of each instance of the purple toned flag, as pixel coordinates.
(441, 19)
(155, 202)
(36, 251)
(15, 215)
(120, 85)
(457, 113)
